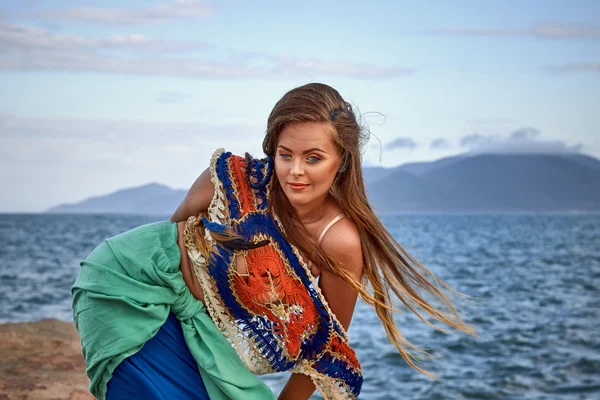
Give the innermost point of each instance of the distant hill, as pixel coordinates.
(465, 183)
(495, 183)
(372, 174)
(420, 168)
(583, 159)
(150, 199)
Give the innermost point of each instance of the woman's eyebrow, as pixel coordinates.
(305, 151)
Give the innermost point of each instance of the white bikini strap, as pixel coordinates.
(333, 221)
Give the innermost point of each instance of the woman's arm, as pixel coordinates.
(342, 242)
(197, 199)
(298, 387)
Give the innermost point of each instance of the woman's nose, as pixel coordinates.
(297, 168)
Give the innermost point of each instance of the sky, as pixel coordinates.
(101, 95)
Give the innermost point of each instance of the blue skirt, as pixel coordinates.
(148, 374)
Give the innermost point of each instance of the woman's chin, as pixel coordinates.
(295, 202)
(298, 199)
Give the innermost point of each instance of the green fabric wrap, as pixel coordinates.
(123, 294)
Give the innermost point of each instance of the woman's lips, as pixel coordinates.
(296, 186)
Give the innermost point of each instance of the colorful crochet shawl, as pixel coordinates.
(271, 311)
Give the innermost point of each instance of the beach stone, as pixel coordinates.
(42, 360)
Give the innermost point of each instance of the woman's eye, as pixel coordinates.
(311, 159)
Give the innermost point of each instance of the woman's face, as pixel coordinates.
(306, 156)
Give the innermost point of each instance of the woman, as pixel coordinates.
(251, 239)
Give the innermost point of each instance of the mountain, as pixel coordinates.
(401, 190)
(466, 183)
(495, 183)
(372, 174)
(584, 160)
(420, 168)
(149, 199)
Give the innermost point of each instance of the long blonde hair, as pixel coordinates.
(387, 266)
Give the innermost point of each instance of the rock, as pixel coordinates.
(42, 360)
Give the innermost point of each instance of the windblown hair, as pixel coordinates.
(388, 268)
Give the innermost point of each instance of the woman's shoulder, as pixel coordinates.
(343, 233)
(342, 242)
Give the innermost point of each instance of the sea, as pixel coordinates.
(535, 280)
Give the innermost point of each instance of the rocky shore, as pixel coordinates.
(42, 360)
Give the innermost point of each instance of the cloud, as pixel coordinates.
(24, 48)
(121, 131)
(475, 140)
(522, 141)
(489, 121)
(292, 66)
(172, 97)
(572, 68)
(25, 40)
(46, 161)
(439, 143)
(401, 143)
(159, 13)
(549, 31)
(524, 133)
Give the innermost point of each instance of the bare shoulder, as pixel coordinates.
(342, 242)
(342, 235)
